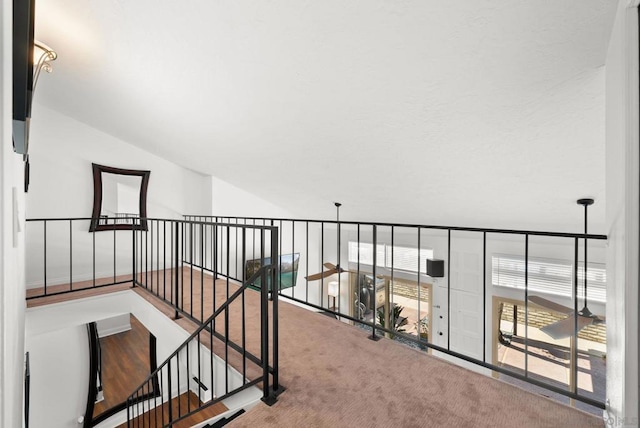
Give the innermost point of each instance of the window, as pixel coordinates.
(404, 258)
(548, 276)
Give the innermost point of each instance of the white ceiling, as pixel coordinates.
(476, 113)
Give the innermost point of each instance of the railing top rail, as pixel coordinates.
(171, 220)
(422, 226)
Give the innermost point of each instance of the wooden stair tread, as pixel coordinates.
(154, 417)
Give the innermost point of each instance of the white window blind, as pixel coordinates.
(366, 253)
(549, 276)
(404, 258)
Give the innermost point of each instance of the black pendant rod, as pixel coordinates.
(338, 205)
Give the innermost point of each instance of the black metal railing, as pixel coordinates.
(64, 258)
(27, 389)
(354, 251)
(94, 361)
(195, 367)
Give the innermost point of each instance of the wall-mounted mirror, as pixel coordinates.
(119, 198)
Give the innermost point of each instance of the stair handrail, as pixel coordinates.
(132, 400)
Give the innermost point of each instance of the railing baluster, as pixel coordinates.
(115, 251)
(179, 385)
(70, 255)
(244, 318)
(128, 413)
(264, 319)
(157, 269)
(199, 371)
(293, 255)
(526, 305)
(419, 291)
(448, 289)
(306, 259)
(93, 258)
(146, 258)
(375, 262)
(169, 388)
(484, 297)
(133, 257)
(164, 260)
(574, 350)
(45, 257)
(275, 322)
(159, 392)
(322, 266)
(212, 384)
(188, 377)
(277, 260)
(191, 267)
(236, 259)
(226, 350)
(202, 317)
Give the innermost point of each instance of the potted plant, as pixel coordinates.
(396, 320)
(422, 327)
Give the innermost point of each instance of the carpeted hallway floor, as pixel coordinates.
(336, 377)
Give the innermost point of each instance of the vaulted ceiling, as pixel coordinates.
(477, 112)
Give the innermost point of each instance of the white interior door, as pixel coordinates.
(466, 304)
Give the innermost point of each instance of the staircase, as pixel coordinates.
(193, 381)
(159, 416)
(220, 360)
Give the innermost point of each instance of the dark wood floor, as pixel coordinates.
(125, 364)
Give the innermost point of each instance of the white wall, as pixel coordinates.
(61, 153)
(12, 303)
(229, 200)
(62, 150)
(59, 358)
(622, 174)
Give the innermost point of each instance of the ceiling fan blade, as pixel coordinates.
(564, 328)
(329, 265)
(317, 276)
(548, 304)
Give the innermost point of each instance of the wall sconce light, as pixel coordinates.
(42, 56)
(333, 291)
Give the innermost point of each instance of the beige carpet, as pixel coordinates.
(336, 377)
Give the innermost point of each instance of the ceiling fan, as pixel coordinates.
(565, 327)
(332, 269)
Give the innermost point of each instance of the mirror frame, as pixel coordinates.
(95, 225)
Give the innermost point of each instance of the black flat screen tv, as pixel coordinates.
(23, 42)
